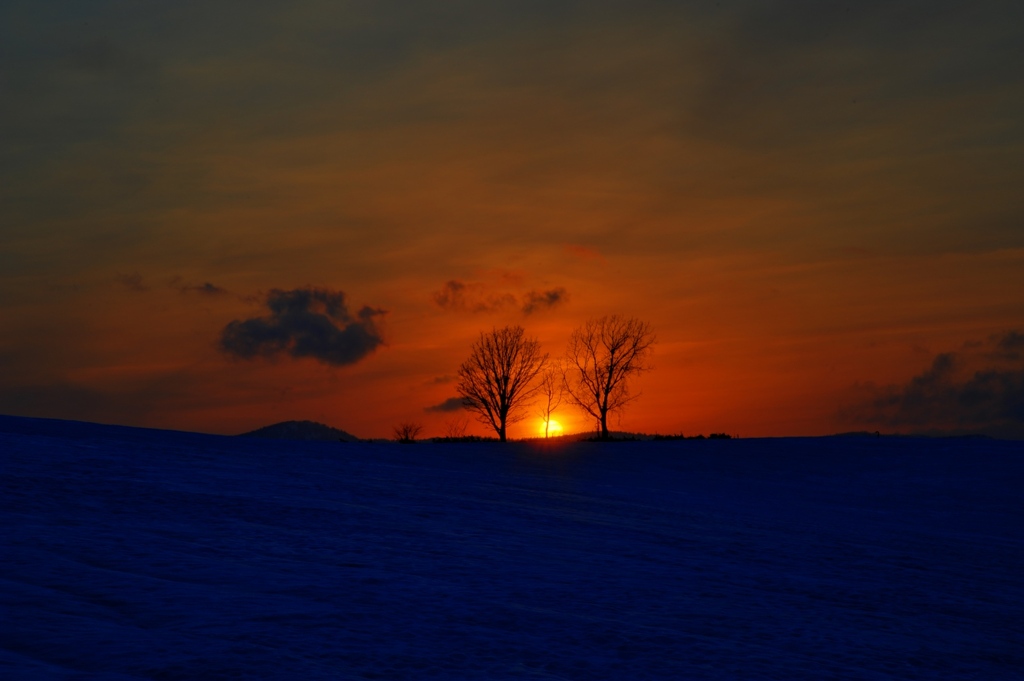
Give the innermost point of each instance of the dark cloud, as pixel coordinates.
(449, 405)
(132, 282)
(440, 380)
(471, 297)
(307, 322)
(979, 388)
(543, 300)
(1009, 346)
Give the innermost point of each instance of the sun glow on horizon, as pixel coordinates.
(554, 428)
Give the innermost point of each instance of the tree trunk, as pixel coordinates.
(604, 425)
(501, 432)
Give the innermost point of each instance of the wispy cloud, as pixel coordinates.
(583, 252)
(478, 297)
(471, 297)
(132, 282)
(534, 301)
(205, 289)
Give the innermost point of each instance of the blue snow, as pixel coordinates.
(143, 554)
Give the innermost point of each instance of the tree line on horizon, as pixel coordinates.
(506, 373)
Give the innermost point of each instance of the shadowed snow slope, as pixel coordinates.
(140, 554)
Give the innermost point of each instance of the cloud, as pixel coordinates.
(105, 57)
(478, 297)
(787, 74)
(132, 282)
(449, 405)
(535, 301)
(978, 388)
(205, 289)
(471, 297)
(306, 322)
(135, 282)
(1009, 346)
(451, 295)
(583, 252)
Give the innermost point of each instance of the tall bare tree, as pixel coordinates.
(602, 356)
(551, 392)
(498, 379)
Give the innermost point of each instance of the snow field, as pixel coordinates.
(135, 554)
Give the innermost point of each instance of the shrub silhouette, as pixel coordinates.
(407, 432)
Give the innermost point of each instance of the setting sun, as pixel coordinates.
(550, 428)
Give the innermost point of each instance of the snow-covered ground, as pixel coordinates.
(135, 554)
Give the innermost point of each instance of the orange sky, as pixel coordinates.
(809, 204)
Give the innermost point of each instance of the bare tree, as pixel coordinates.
(552, 392)
(496, 381)
(407, 432)
(455, 428)
(602, 356)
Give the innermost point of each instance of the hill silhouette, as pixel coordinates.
(301, 430)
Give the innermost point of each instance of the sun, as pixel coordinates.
(554, 428)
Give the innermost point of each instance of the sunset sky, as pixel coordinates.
(218, 215)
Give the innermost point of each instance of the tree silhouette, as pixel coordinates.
(456, 428)
(602, 356)
(495, 381)
(551, 391)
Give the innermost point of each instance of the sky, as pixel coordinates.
(218, 215)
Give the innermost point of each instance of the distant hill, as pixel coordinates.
(301, 430)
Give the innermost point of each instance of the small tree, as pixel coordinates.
(602, 356)
(455, 428)
(552, 391)
(407, 432)
(496, 381)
